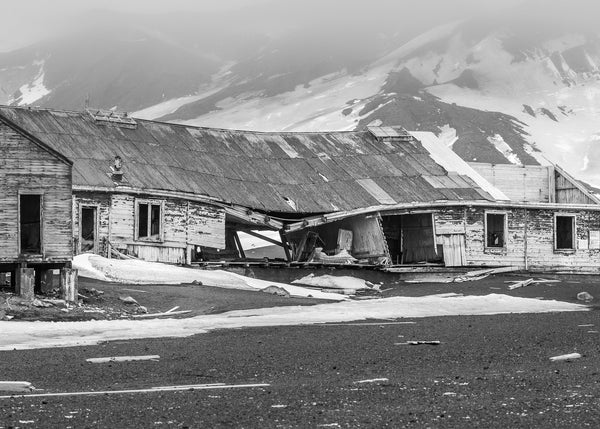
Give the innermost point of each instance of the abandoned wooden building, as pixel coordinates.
(540, 218)
(382, 196)
(35, 209)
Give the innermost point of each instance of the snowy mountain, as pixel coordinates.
(496, 88)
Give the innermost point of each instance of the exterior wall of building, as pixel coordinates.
(183, 224)
(26, 168)
(529, 241)
(530, 183)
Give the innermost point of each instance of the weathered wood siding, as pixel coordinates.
(529, 239)
(25, 167)
(184, 223)
(530, 183)
(568, 193)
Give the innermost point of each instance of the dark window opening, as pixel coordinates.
(148, 220)
(565, 228)
(31, 223)
(88, 229)
(495, 230)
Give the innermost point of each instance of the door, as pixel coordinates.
(30, 224)
(88, 233)
(454, 250)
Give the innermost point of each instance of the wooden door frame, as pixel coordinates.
(41, 195)
(96, 208)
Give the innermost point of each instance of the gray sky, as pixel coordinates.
(26, 21)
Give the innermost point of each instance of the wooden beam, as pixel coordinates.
(238, 243)
(286, 248)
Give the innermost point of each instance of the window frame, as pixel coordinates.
(485, 229)
(149, 238)
(573, 217)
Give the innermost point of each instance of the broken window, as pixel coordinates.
(30, 218)
(564, 232)
(149, 220)
(495, 229)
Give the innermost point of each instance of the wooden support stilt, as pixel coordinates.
(46, 281)
(25, 282)
(188, 254)
(68, 284)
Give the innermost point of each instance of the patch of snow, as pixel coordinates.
(218, 83)
(332, 282)
(31, 335)
(35, 90)
(448, 135)
(135, 271)
(501, 146)
(451, 162)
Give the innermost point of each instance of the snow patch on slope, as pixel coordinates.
(31, 92)
(447, 135)
(501, 146)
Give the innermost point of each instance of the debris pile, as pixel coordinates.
(346, 285)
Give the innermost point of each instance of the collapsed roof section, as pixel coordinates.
(275, 172)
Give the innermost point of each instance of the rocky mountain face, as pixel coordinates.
(496, 88)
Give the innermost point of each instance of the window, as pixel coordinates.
(564, 232)
(149, 225)
(495, 229)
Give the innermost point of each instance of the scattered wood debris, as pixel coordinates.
(372, 380)
(166, 313)
(482, 274)
(123, 359)
(522, 283)
(16, 386)
(466, 277)
(566, 357)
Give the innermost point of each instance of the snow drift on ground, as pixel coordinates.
(333, 282)
(134, 271)
(31, 335)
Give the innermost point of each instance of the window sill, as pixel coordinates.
(565, 251)
(495, 250)
(149, 239)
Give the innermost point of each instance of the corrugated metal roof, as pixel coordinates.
(319, 172)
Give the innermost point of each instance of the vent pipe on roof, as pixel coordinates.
(117, 169)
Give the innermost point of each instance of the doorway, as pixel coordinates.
(30, 223)
(88, 230)
(410, 238)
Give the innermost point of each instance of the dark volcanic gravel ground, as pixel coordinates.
(488, 371)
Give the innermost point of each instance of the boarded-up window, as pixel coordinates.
(149, 220)
(495, 229)
(564, 231)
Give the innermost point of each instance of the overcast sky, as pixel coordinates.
(26, 21)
